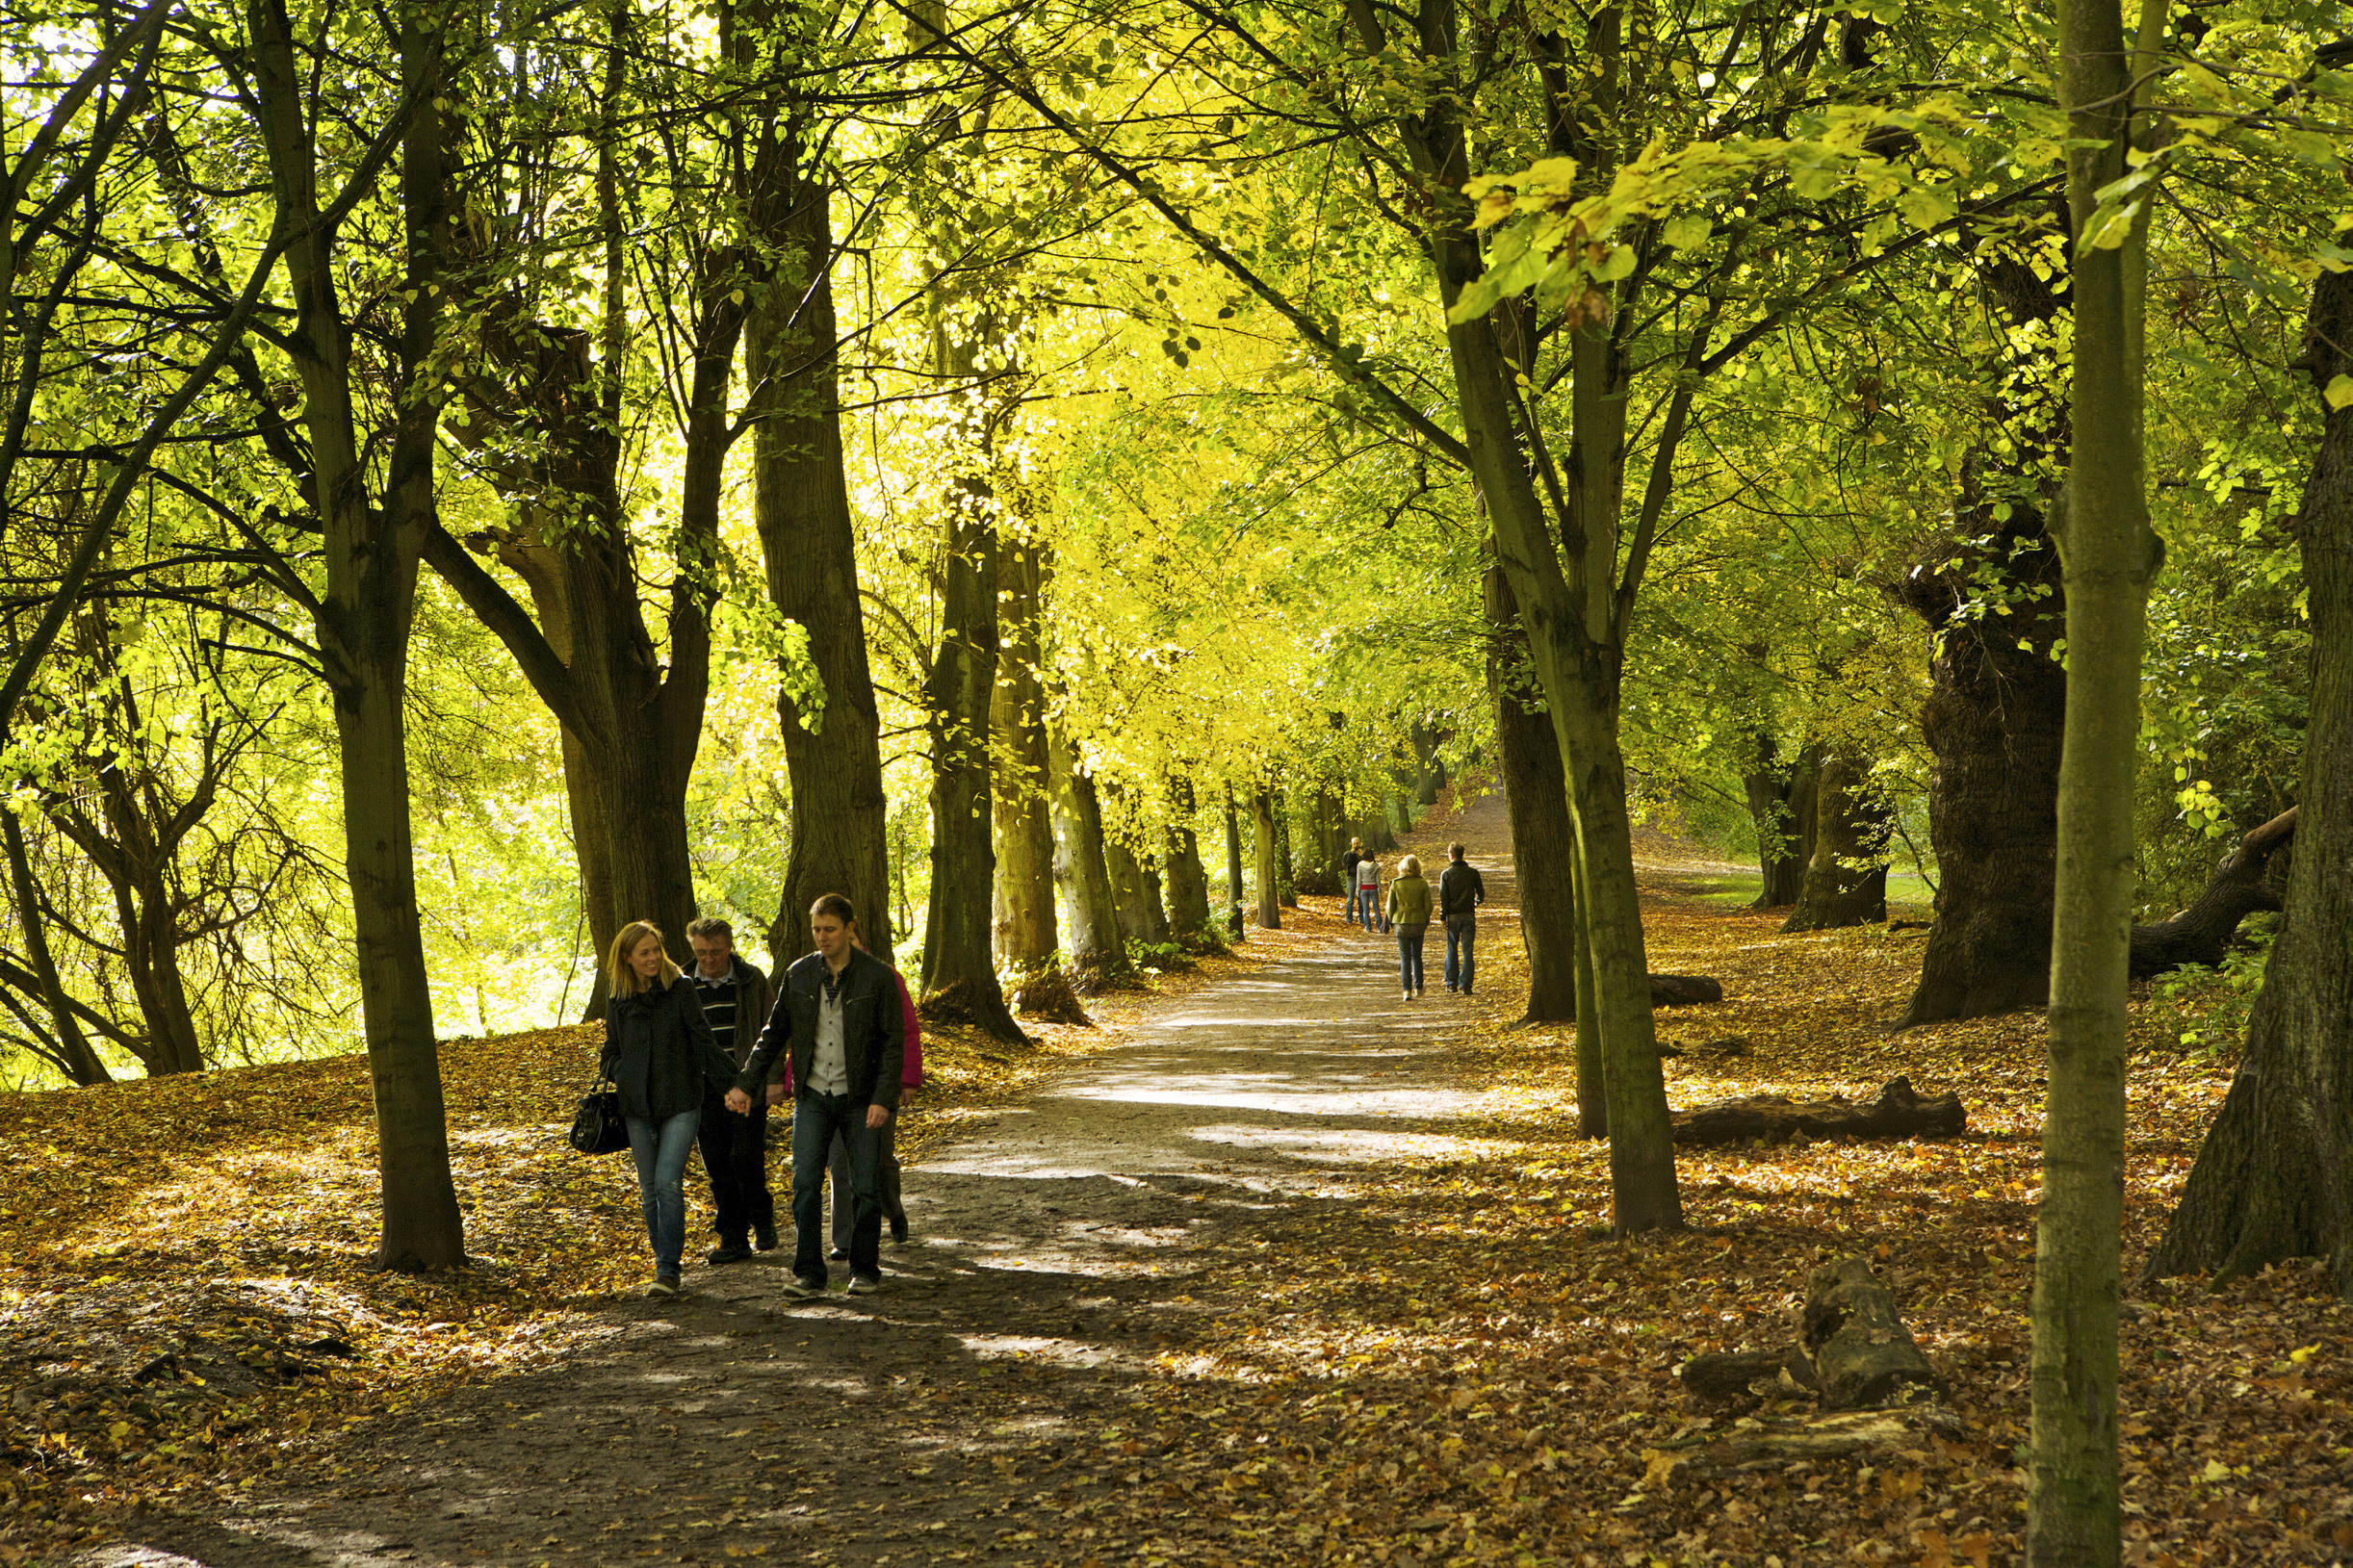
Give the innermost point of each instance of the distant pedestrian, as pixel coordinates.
(1348, 875)
(660, 1053)
(838, 1013)
(1410, 918)
(1460, 892)
(885, 1155)
(736, 1000)
(1368, 891)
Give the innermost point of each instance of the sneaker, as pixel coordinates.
(803, 1287)
(865, 1284)
(837, 1255)
(1408, 997)
(730, 1250)
(664, 1285)
(765, 1237)
(1450, 991)
(898, 1229)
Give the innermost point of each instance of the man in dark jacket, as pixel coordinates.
(838, 1013)
(1460, 892)
(736, 998)
(1348, 875)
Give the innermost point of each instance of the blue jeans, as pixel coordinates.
(817, 1120)
(1368, 900)
(661, 1148)
(1461, 932)
(1410, 954)
(1350, 916)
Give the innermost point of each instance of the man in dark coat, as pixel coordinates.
(838, 1013)
(736, 997)
(1348, 875)
(1460, 892)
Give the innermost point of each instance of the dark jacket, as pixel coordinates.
(1460, 891)
(755, 999)
(661, 1053)
(1348, 869)
(873, 1030)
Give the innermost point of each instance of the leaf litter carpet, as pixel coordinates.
(1291, 1272)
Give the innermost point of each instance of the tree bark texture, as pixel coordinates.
(1097, 952)
(1846, 881)
(372, 557)
(800, 507)
(960, 981)
(1781, 802)
(1027, 934)
(1188, 879)
(1994, 606)
(2074, 1517)
(1233, 868)
(1269, 861)
(2274, 1179)
(1535, 800)
(1287, 891)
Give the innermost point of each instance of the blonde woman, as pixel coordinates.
(1410, 918)
(662, 1055)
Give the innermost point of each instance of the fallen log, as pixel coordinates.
(1684, 989)
(1863, 1355)
(1771, 1444)
(2238, 888)
(1895, 1112)
(1735, 1377)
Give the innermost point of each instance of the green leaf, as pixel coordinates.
(2339, 392)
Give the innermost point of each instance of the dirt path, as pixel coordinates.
(1059, 1250)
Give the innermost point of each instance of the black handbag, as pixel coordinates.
(597, 1127)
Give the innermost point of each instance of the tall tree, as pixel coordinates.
(2274, 1179)
(2073, 1502)
(374, 545)
(1535, 797)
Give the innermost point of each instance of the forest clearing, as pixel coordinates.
(1432, 1352)
(1555, 782)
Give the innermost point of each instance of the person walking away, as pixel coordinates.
(734, 1147)
(837, 1016)
(1368, 891)
(1410, 918)
(1460, 892)
(660, 1055)
(886, 1157)
(1348, 877)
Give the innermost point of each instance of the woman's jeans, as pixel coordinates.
(1368, 899)
(661, 1148)
(1410, 954)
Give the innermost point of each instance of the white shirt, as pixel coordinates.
(830, 1072)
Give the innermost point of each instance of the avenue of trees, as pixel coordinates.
(478, 476)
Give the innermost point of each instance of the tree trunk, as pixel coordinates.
(1136, 889)
(2275, 1177)
(1846, 881)
(372, 556)
(1027, 934)
(1429, 774)
(1233, 868)
(2074, 1517)
(1781, 805)
(1270, 899)
(1287, 891)
(1995, 604)
(80, 1059)
(959, 968)
(2202, 933)
(1592, 1068)
(800, 506)
(1097, 949)
(1535, 798)
(1188, 879)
